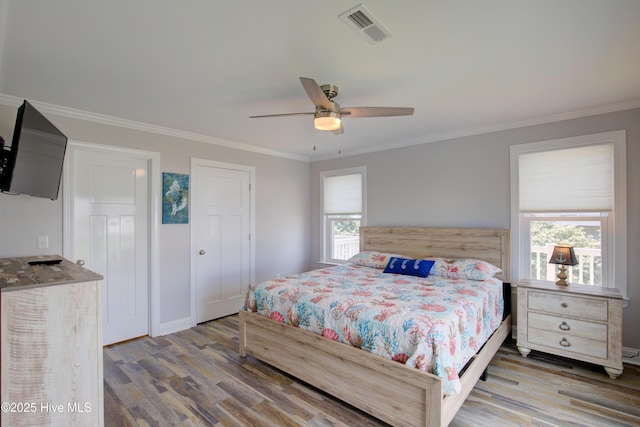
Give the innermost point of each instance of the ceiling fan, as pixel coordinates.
(328, 114)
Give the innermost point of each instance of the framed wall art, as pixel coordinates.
(175, 198)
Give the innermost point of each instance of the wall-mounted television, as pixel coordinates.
(33, 164)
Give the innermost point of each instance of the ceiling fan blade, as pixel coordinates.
(376, 111)
(281, 115)
(315, 93)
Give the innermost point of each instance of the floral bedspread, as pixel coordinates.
(434, 324)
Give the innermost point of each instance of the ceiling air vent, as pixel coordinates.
(365, 24)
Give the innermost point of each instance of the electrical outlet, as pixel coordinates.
(43, 242)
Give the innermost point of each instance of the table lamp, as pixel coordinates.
(563, 255)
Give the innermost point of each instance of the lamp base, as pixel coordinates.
(562, 276)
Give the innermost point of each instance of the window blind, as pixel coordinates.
(343, 194)
(568, 180)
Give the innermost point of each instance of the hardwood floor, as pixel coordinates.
(196, 378)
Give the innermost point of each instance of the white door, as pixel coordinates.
(222, 233)
(109, 208)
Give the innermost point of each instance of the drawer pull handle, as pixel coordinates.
(564, 304)
(564, 326)
(565, 343)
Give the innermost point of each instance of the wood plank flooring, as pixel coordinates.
(196, 378)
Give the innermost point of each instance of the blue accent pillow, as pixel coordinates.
(409, 267)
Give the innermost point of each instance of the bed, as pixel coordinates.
(393, 392)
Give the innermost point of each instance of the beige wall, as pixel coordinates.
(464, 182)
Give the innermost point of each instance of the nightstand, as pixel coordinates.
(577, 321)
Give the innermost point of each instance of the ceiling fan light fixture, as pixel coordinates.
(327, 120)
(328, 114)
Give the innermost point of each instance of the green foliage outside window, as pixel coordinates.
(346, 227)
(583, 236)
(579, 236)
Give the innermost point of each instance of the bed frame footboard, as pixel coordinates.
(386, 389)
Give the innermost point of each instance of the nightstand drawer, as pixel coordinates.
(577, 321)
(568, 305)
(569, 327)
(568, 343)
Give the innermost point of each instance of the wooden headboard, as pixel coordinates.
(486, 244)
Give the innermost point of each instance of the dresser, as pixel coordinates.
(577, 321)
(51, 343)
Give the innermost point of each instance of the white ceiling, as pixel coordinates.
(204, 66)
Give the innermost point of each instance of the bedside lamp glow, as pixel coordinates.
(563, 255)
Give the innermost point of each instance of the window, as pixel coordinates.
(585, 231)
(343, 207)
(571, 191)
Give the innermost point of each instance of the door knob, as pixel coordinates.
(80, 262)
(201, 252)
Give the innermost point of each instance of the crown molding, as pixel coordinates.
(479, 130)
(13, 101)
(73, 113)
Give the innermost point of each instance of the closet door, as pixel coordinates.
(109, 233)
(222, 238)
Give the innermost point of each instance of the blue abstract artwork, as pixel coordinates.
(175, 198)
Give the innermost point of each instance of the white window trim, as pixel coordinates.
(617, 226)
(323, 227)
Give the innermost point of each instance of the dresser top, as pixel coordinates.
(18, 274)
(572, 288)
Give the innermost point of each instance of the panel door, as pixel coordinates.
(222, 221)
(110, 209)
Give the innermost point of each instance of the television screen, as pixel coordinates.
(36, 156)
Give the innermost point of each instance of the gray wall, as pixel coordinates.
(282, 208)
(461, 182)
(464, 182)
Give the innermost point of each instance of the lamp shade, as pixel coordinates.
(563, 255)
